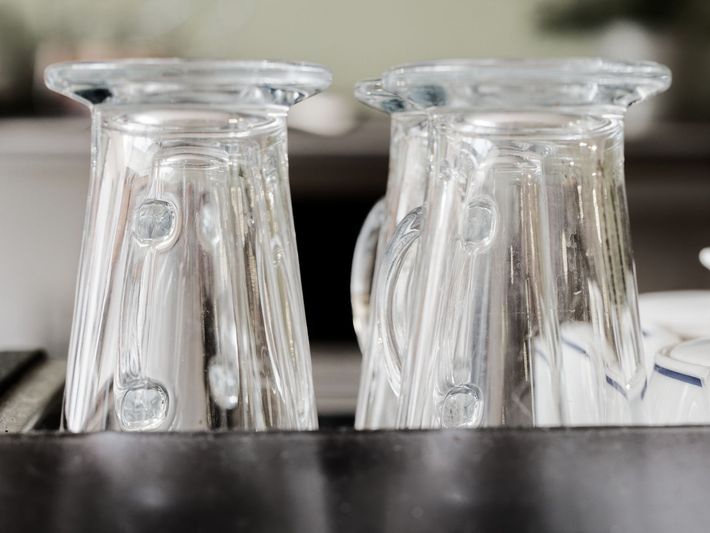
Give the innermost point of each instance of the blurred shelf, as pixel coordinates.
(31, 386)
(672, 141)
(14, 364)
(353, 163)
(71, 137)
(30, 391)
(336, 377)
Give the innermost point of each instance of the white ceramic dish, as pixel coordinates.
(677, 390)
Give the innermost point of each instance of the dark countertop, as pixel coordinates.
(604, 480)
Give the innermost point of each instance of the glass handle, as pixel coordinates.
(389, 280)
(142, 402)
(363, 271)
(172, 290)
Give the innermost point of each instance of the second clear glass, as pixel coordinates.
(524, 288)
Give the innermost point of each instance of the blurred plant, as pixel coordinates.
(691, 16)
(154, 24)
(17, 47)
(680, 29)
(34, 33)
(71, 21)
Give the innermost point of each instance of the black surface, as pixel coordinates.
(14, 364)
(330, 422)
(642, 480)
(51, 417)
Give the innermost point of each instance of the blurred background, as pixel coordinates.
(338, 148)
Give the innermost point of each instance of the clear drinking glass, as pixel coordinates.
(525, 300)
(189, 311)
(377, 401)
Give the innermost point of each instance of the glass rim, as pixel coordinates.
(202, 75)
(642, 78)
(371, 92)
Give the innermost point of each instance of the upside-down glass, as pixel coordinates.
(525, 295)
(377, 401)
(189, 311)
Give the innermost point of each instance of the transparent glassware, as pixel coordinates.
(524, 289)
(409, 158)
(189, 311)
